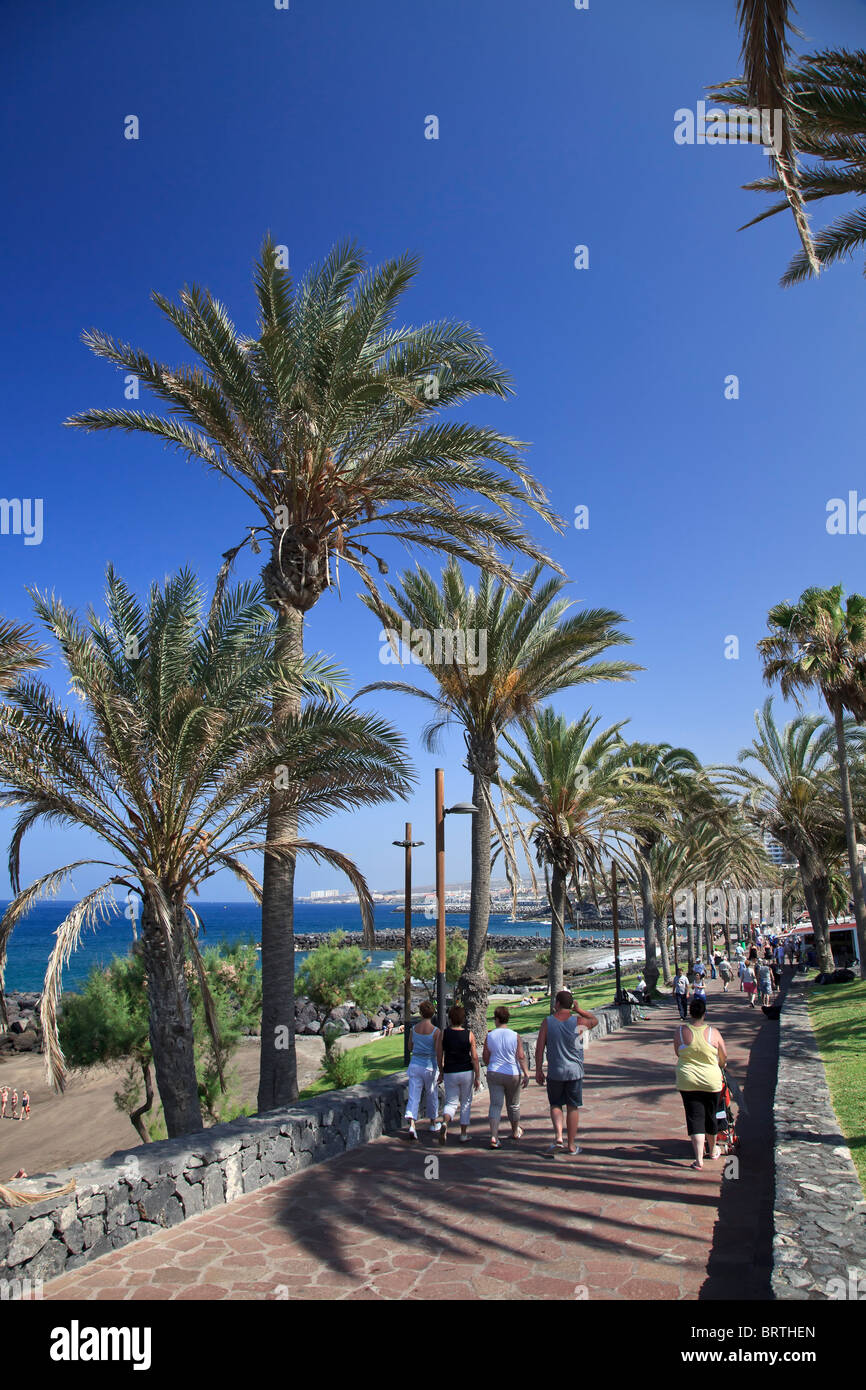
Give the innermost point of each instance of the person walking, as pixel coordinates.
(14, 1103)
(423, 1072)
(681, 991)
(765, 982)
(701, 1054)
(504, 1057)
(750, 985)
(561, 1037)
(25, 1106)
(726, 973)
(4, 1101)
(461, 1070)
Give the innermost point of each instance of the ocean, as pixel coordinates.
(33, 939)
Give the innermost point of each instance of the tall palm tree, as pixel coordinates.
(819, 643)
(828, 93)
(673, 785)
(574, 783)
(791, 794)
(329, 421)
(533, 648)
(171, 771)
(764, 26)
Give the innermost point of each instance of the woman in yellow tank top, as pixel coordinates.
(701, 1055)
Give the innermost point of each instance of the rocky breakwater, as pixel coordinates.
(21, 1032)
(422, 938)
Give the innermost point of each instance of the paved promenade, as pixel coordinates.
(626, 1219)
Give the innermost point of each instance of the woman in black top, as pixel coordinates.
(459, 1067)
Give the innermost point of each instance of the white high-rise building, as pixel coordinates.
(775, 852)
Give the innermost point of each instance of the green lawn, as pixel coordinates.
(382, 1056)
(838, 1015)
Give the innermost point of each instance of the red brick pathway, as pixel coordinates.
(625, 1219)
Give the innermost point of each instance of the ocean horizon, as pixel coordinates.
(32, 940)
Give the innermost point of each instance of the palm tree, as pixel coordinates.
(820, 643)
(532, 650)
(791, 794)
(828, 93)
(171, 772)
(574, 783)
(673, 785)
(329, 422)
(764, 26)
(18, 652)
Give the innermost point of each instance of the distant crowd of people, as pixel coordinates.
(20, 1107)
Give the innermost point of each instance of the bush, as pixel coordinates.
(333, 973)
(342, 1069)
(456, 950)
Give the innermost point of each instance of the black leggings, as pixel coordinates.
(700, 1108)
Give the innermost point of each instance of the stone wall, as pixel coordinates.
(137, 1192)
(820, 1214)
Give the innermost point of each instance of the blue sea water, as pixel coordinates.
(33, 939)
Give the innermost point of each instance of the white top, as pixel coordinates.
(502, 1045)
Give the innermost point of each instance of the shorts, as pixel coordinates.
(700, 1108)
(569, 1093)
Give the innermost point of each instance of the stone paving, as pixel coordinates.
(626, 1219)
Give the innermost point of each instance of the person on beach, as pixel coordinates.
(507, 1072)
(25, 1105)
(423, 1071)
(561, 1037)
(681, 991)
(14, 1103)
(701, 1055)
(4, 1101)
(461, 1070)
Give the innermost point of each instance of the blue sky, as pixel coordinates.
(556, 129)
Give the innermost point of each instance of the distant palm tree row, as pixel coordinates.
(205, 738)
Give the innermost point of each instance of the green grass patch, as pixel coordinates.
(838, 1015)
(383, 1056)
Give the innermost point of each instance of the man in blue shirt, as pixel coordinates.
(561, 1034)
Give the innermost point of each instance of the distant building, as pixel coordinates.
(775, 852)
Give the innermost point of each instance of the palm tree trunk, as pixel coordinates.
(848, 811)
(816, 890)
(661, 931)
(556, 971)
(651, 969)
(690, 944)
(473, 986)
(172, 1040)
(278, 1067)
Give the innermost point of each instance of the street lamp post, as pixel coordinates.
(407, 844)
(614, 905)
(462, 808)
